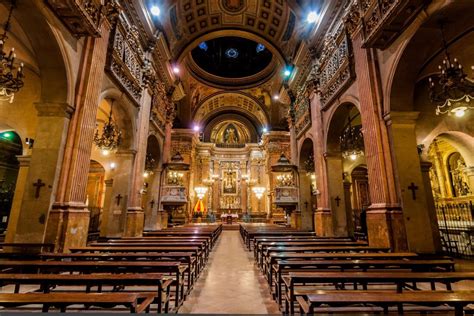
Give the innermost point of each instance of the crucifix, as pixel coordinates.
(337, 199)
(38, 184)
(152, 203)
(118, 198)
(413, 189)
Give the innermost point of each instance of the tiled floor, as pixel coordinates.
(231, 283)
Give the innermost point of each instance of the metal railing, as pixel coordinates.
(456, 227)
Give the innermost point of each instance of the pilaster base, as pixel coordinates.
(135, 223)
(67, 227)
(386, 228)
(161, 220)
(295, 219)
(323, 222)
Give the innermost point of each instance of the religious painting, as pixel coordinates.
(229, 182)
(231, 137)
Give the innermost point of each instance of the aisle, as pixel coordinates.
(231, 283)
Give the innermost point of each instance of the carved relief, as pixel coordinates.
(126, 60)
(302, 115)
(334, 67)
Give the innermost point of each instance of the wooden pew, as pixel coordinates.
(46, 281)
(132, 249)
(176, 269)
(136, 302)
(185, 258)
(298, 275)
(26, 248)
(458, 300)
(315, 249)
(262, 247)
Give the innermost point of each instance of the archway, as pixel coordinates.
(10, 148)
(359, 200)
(307, 203)
(452, 184)
(95, 197)
(344, 152)
(152, 178)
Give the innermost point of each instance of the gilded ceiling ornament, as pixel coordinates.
(233, 6)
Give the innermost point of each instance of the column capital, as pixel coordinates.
(54, 109)
(425, 166)
(24, 160)
(401, 117)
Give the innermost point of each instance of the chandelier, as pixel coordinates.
(110, 138)
(453, 91)
(200, 191)
(150, 165)
(258, 190)
(352, 142)
(9, 81)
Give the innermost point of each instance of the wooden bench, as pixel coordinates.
(46, 281)
(263, 246)
(136, 302)
(176, 269)
(314, 249)
(458, 300)
(25, 247)
(296, 282)
(303, 271)
(186, 258)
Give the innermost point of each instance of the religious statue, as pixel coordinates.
(461, 188)
(231, 136)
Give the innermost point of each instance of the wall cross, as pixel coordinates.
(38, 184)
(413, 189)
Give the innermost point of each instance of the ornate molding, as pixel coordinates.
(334, 69)
(126, 59)
(81, 17)
(302, 112)
(385, 20)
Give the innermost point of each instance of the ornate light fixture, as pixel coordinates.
(200, 191)
(150, 165)
(258, 190)
(352, 141)
(9, 82)
(110, 138)
(453, 91)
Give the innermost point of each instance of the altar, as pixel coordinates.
(229, 218)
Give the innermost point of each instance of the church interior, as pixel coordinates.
(237, 156)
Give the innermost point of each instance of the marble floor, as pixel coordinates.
(231, 283)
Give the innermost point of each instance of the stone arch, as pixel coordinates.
(307, 203)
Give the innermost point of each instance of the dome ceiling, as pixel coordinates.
(271, 20)
(231, 57)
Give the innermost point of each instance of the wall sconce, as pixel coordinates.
(112, 165)
(29, 142)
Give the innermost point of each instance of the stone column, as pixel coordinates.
(243, 186)
(422, 237)
(323, 217)
(135, 215)
(385, 223)
(20, 187)
(167, 142)
(106, 209)
(68, 221)
(440, 171)
(45, 166)
(336, 193)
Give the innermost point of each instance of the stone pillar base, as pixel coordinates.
(161, 220)
(135, 223)
(295, 219)
(386, 228)
(67, 227)
(323, 223)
